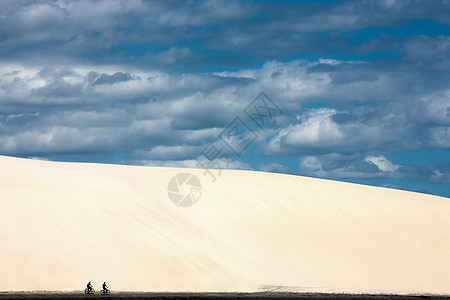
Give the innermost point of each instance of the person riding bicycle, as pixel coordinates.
(104, 286)
(89, 286)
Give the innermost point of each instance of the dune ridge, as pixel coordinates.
(63, 224)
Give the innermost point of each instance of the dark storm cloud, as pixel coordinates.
(138, 32)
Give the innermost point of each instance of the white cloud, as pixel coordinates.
(178, 152)
(192, 163)
(435, 108)
(336, 166)
(38, 158)
(140, 110)
(382, 163)
(275, 167)
(317, 128)
(311, 165)
(329, 130)
(339, 166)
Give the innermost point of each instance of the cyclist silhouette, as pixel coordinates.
(104, 286)
(89, 289)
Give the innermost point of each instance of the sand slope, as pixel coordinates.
(63, 224)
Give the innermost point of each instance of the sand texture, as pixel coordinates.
(63, 224)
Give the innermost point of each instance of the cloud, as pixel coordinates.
(147, 109)
(311, 165)
(38, 158)
(155, 34)
(440, 137)
(347, 130)
(111, 79)
(275, 168)
(434, 109)
(174, 54)
(338, 166)
(69, 111)
(382, 163)
(181, 104)
(192, 163)
(179, 152)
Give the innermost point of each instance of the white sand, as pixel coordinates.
(63, 224)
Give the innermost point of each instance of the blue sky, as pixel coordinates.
(364, 86)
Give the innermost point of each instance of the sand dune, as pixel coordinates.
(63, 224)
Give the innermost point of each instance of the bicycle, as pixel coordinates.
(89, 291)
(105, 292)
